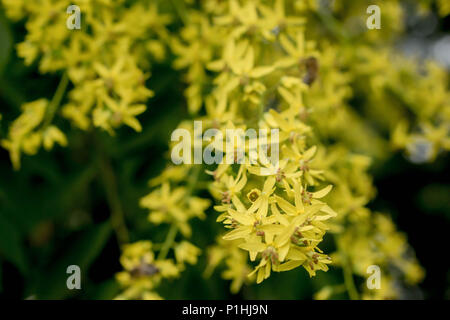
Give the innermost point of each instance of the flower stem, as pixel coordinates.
(348, 275)
(56, 100)
(112, 196)
(349, 283)
(171, 235)
(170, 239)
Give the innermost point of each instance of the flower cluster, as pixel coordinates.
(288, 65)
(31, 130)
(142, 272)
(273, 209)
(175, 207)
(265, 73)
(107, 62)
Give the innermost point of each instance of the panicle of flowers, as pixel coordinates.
(267, 74)
(107, 63)
(272, 209)
(251, 64)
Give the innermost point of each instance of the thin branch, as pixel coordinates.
(112, 196)
(171, 235)
(56, 101)
(168, 243)
(348, 274)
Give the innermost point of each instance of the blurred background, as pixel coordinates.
(54, 211)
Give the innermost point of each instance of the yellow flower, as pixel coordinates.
(28, 132)
(276, 21)
(126, 113)
(244, 71)
(142, 271)
(51, 135)
(174, 206)
(186, 252)
(297, 52)
(245, 224)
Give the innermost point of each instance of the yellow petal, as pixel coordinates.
(289, 265)
(242, 218)
(322, 193)
(239, 233)
(253, 246)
